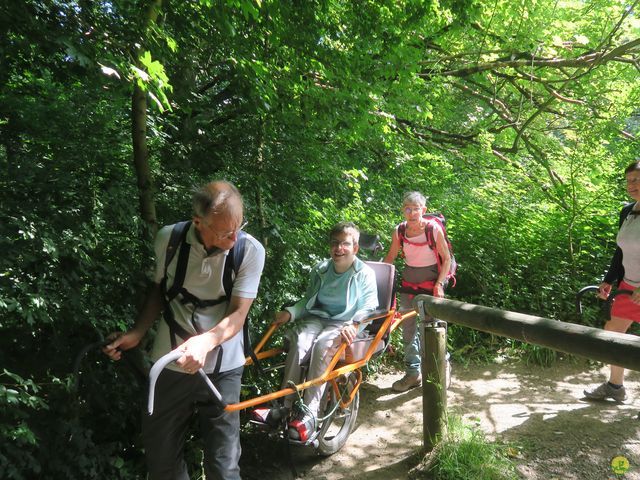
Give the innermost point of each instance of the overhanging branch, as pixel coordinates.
(583, 61)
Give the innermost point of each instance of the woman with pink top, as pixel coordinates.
(425, 269)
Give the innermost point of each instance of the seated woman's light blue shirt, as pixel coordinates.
(331, 299)
(359, 293)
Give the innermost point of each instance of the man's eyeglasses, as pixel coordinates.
(336, 244)
(225, 235)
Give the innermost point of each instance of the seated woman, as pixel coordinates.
(341, 290)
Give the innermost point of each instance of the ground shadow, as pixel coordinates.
(542, 411)
(264, 458)
(576, 444)
(538, 410)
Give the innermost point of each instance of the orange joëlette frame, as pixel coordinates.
(391, 322)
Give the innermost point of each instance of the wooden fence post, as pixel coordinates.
(434, 391)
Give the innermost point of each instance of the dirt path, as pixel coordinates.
(539, 410)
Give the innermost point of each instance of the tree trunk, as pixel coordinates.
(139, 135)
(141, 159)
(259, 200)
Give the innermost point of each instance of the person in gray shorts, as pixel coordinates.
(205, 323)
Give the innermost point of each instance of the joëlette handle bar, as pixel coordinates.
(595, 288)
(165, 360)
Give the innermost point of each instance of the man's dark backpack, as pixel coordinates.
(178, 244)
(432, 218)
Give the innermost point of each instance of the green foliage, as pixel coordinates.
(70, 442)
(19, 400)
(153, 79)
(464, 453)
(319, 111)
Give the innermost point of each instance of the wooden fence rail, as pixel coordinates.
(593, 343)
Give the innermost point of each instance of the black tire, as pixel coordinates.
(335, 430)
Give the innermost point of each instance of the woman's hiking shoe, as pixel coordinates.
(303, 427)
(605, 391)
(407, 382)
(411, 380)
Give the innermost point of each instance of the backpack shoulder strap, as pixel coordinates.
(433, 220)
(232, 265)
(624, 213)
(233, 262)
(178, 234)
(430, 230)
(402, 229)
(431, 238)
(177, 239)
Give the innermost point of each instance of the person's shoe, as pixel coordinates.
(303, 427)
(605, 391)
(268, 416)
(261, 415)
(407, 382)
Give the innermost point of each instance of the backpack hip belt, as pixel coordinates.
(426, 285)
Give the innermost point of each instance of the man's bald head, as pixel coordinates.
(218, 198)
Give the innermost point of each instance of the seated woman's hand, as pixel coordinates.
(282, 318)
(349, 333)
